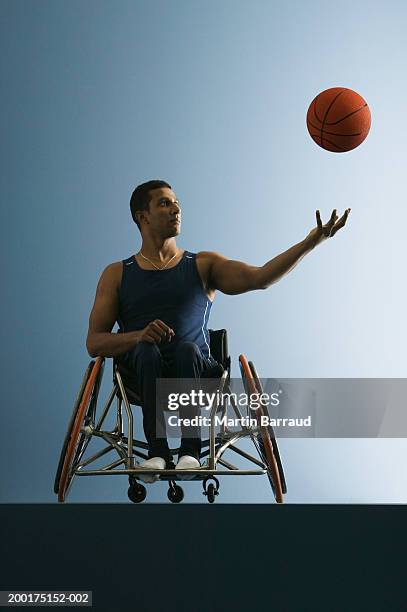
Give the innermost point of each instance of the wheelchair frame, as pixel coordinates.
(83, 427)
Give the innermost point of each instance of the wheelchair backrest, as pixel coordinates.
(219, 346)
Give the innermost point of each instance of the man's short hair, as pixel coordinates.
(141, 197)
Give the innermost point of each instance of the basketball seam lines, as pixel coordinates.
(333, 133)
(326, 114)
(346, 116)
(315, 112)
(330, 142)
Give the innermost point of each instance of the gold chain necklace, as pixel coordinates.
(153, 264)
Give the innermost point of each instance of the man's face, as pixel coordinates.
(164, 216)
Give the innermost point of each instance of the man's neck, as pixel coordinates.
(160, 250)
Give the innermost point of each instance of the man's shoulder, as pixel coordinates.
(204, 260)
(206, 255)
(209, 257)
(113, 273)
(114, 268)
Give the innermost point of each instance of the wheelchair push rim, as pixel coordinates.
(271, 431)
(271, 462)
(70, 426)
(75, 443)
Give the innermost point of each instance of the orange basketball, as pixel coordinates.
(338, 119)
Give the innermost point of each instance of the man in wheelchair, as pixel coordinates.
(161, 299)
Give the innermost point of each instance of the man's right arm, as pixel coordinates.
(100, 341)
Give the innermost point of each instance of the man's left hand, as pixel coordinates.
(322, 232)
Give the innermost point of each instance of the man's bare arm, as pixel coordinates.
(100, 341)
(234, 277)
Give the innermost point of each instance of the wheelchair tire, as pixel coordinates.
(175, 494)
(71, 422)
(210, 493)
(271, 432)
(137, 493)
(269, 457)
(75, 442)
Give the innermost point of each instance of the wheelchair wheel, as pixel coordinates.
(271, 432)
(175, 493)
(211, 493)
(84, 414)
(211, 489)
(69, 430)
(136, 493)
(269, 457)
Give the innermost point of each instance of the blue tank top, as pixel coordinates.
(176, 296)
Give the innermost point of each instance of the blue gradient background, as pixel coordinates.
(212, 97)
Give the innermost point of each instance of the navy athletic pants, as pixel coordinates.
(146, 361)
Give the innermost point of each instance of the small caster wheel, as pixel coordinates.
(211, 489)
(175, 494)
(137, 493)
(211, 492)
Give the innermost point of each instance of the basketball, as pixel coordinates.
(338, 119)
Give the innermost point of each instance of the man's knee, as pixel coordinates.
(188, 359)
(187, 351)
(147, 354)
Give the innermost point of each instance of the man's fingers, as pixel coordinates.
(163, 329)
(157, 336)
(150, 337)
(168, 329)
(161, 325)
(331, 222)
(341, 222)
(158, 333)
(333, 216)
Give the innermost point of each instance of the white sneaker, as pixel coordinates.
(153, 464)
(186, 462)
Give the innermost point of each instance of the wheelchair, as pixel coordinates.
(85, 424)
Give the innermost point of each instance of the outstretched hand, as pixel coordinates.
(322, 232)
